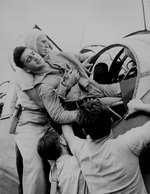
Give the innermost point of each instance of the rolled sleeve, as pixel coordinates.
(53, 105)
(136, 138)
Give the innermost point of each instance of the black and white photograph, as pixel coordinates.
(75, 97)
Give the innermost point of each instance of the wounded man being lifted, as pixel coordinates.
(58, 83)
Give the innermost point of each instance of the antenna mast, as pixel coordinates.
(144, 15)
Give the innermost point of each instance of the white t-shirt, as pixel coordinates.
(111, 165)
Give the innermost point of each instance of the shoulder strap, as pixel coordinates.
(53, 179)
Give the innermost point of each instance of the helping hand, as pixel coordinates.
(134, 106)
(70, 78)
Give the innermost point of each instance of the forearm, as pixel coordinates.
(68, 133)
(144, 107)
(111, 90)
(137, 105)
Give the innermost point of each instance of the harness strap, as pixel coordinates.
(30, 109)
(53, 179)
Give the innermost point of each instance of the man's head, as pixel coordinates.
(43, 46)
(50, 145)
(37, 40)
(28, 60)
(95, 119)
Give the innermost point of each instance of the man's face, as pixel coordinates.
(43, 46)
(32, 61)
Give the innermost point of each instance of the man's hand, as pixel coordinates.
(134, 106)
(86, 63)
(70, 78)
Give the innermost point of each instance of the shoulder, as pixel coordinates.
(73, 163)
(25, 80)
(22, 75)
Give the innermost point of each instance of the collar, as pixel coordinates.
(39, 77)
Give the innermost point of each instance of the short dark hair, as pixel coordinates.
(49, 146)
(95, 119)
(17, 53)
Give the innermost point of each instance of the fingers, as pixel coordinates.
(69, 71)
(128, 115)
(76, 73)
(133, 106)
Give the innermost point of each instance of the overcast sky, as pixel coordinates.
(72, 24)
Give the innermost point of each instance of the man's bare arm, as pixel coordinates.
(68, 134)
(137, 105)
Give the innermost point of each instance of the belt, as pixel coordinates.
(30, 109)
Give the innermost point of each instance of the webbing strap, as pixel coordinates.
(53, 179)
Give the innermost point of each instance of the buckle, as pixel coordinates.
(54, 179)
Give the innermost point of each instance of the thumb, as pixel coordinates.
(129, 114)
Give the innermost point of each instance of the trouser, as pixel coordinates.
(34, 179)
(19, 165)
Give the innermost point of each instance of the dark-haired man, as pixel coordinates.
(109, 165)
(65, 167)
(31, 126)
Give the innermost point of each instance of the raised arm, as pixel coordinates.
(111, 90)
(81, 57)
(69, 79)
(75, 143)
(68, 134)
